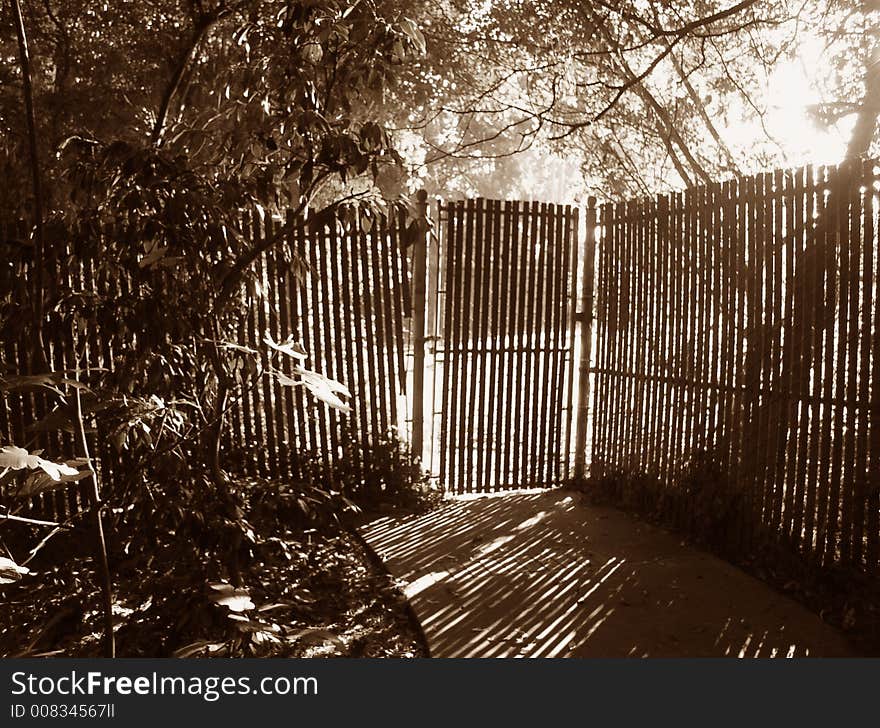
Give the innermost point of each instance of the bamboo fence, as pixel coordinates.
(740, 323)
(349, 310)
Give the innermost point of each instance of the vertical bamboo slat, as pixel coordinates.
(697, 283)
(728, 331)
(663, 294)
(541, 343)
(476, 344)
(447, 422)
(403, 293)
(872, 505)
(716, 316)
(507, 312)
(814, 282)
(382, 256)
(629, 316)
(825, 245)
(777, 395)
(638, 347)
(689, 333)
(299, 326)
(585, 331)
(528, 423)
(754, 343)
(465, 429)
(285, 286)
(538, 343)
(611, 291)
(803, 357)
(353, 323)
(454, 342)
(495, 394)
(738, 538)
(373, 250)
(602, 296)
(419, 317)
(841, 220)
(616, 364)
(678, 328)
(861, 412)
(519, 264)
(739, 284)
(790, 337)
(273, 281)
(334, 294)
(556, 450)
(852, 244)
(246, 406)
(269, 444)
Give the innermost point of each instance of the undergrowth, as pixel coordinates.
(257, 567)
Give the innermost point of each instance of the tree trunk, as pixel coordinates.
(816, 258)
(38, 273)
(869, 110)
(215, 436)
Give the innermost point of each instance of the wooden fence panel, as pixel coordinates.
(745, 335)
(347, 310)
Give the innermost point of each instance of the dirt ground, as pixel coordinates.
(547, 575)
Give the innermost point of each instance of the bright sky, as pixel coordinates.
(789, 94)
(795, 138)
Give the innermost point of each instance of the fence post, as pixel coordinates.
(420, 247)
(585, 318)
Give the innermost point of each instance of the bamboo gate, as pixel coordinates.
(499, 309)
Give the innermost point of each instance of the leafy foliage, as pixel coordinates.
(222, 115)
(313, 594)
(387, 475)
(621, 100)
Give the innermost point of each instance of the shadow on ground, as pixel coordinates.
(545, 575)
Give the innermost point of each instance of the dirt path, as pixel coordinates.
(546, 576)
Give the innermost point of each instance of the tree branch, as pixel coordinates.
(701, 110)
(204, 23)
(176, 80)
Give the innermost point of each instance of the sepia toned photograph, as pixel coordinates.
(449, 329)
